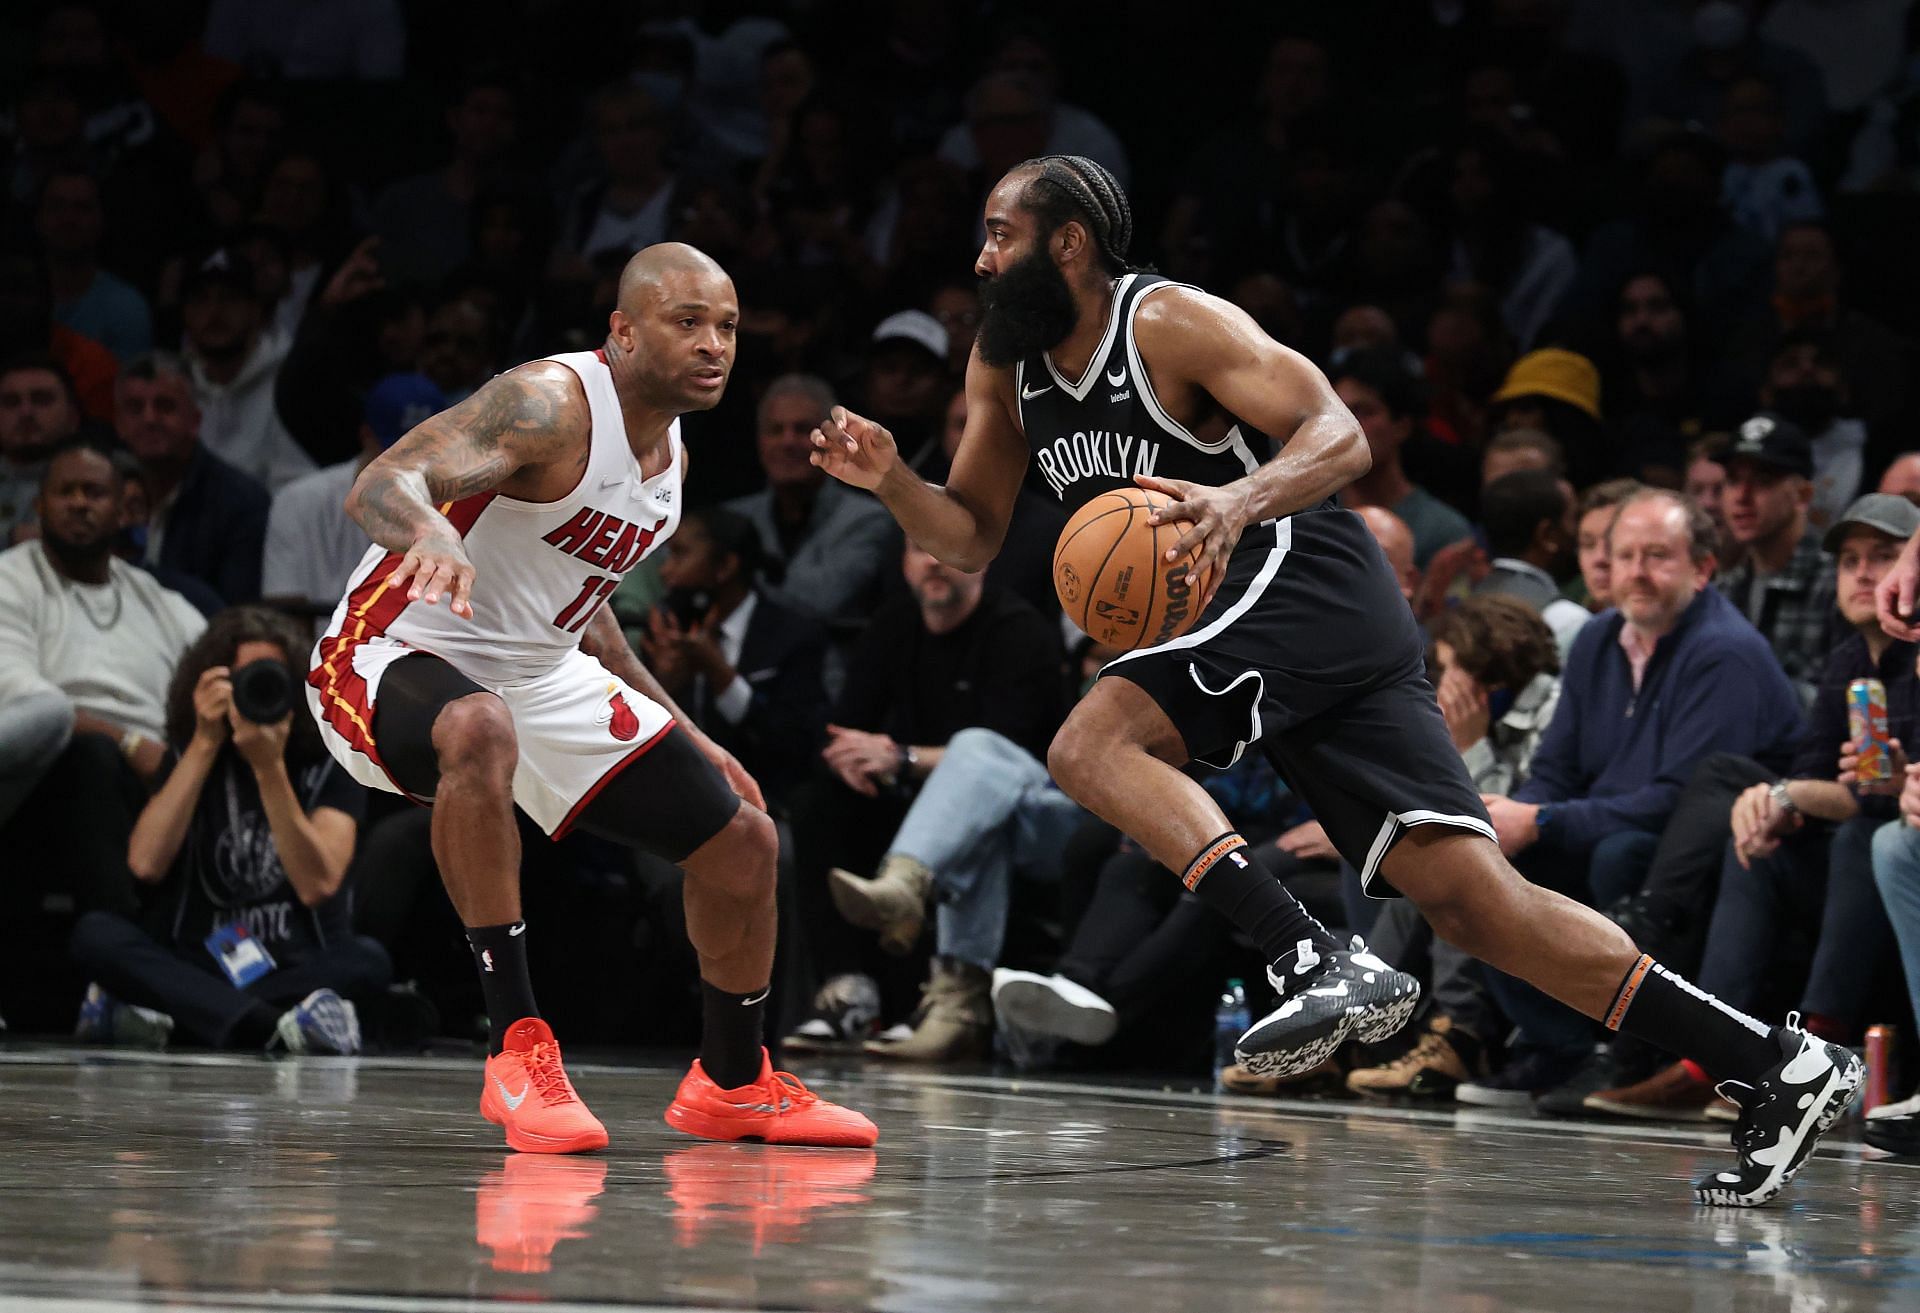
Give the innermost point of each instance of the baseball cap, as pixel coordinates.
(1774, 440)
(398, 402)
(916, 326)
(1894, 516)
(221, 265)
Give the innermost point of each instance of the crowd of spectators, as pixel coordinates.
(1617, 291)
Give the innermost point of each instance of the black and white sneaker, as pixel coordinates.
(1782, 1116)
(845, 1011)
(1327, 996)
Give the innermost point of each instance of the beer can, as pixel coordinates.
(1880, 1042)
(1867, 726)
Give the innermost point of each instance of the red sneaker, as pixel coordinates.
(769, 1193)
(775, 1109)
(531, 1204)
(527, 1092)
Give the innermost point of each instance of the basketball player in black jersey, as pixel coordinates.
(1098, 374)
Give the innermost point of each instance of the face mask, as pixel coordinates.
(1810, 406)
(1721, 25)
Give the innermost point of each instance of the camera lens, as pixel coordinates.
(263, 691)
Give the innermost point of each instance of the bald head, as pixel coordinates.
(1396, 542)
(673, 333)
(651, 268)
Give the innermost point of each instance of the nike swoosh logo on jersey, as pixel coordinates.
(611, 483)
(513, 1101)
(1028, 394)
(1116, 378)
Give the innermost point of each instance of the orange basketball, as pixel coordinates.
(1110, 571)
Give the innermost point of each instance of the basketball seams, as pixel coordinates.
(1093, 564)
(1060, 550)
(1106, 560)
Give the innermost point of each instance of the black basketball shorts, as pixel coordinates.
(1309, 650)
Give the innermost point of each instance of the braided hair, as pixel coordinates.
(1075, 187)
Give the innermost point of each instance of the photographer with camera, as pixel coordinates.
(745, 667)
(248, 837)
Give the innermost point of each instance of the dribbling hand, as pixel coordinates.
(1218, 517)
(437, 564)
(853, 449)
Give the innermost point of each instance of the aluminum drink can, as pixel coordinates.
(1880, 1040)
(1867, 726)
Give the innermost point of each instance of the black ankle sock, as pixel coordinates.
(500, 951)
(255, 1029)
(730, 1037)
(1655, 1005)
(1229, 878)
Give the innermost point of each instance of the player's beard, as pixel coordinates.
(1026, 308)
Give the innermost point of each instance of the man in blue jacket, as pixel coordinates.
(1675, 673)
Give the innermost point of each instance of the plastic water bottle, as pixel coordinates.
(1230, 1022)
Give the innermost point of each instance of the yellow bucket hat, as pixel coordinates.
(1554, 372)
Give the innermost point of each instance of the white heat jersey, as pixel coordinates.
(540, 569)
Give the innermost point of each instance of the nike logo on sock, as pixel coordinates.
(517, 929)
(761, 997)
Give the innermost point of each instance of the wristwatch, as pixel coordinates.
(910, 757)
(1782, 799)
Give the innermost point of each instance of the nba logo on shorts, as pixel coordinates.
(617, 716)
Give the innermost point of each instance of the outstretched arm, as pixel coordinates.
(964, 522)
(530, 416)
(1200, 341)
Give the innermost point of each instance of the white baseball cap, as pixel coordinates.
(915, 326)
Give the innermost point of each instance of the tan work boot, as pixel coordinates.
(1431, 1069)
(894, 902)
(954, 1022)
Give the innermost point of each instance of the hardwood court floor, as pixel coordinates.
(205, 1182)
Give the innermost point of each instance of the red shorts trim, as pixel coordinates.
(606, 779)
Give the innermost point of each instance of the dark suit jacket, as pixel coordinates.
(780, 660)
(217, 529)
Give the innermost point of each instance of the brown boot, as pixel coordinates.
(1431, 1069)
(894, 902)
(954, 1022)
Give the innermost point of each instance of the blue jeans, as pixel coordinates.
(1896, 870)
(34, 730)
(1819, 886)
(987, 810)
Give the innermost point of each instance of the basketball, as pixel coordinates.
(1110, 571)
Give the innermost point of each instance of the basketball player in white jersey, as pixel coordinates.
(1099, 374)
(520, 509)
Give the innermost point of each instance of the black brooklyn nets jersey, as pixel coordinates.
(1095, 434)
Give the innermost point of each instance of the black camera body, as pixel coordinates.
(263, 691)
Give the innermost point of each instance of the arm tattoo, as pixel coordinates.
(516, 419)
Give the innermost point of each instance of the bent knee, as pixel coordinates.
(741, 858)
(1070, 754)
(475, 734)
